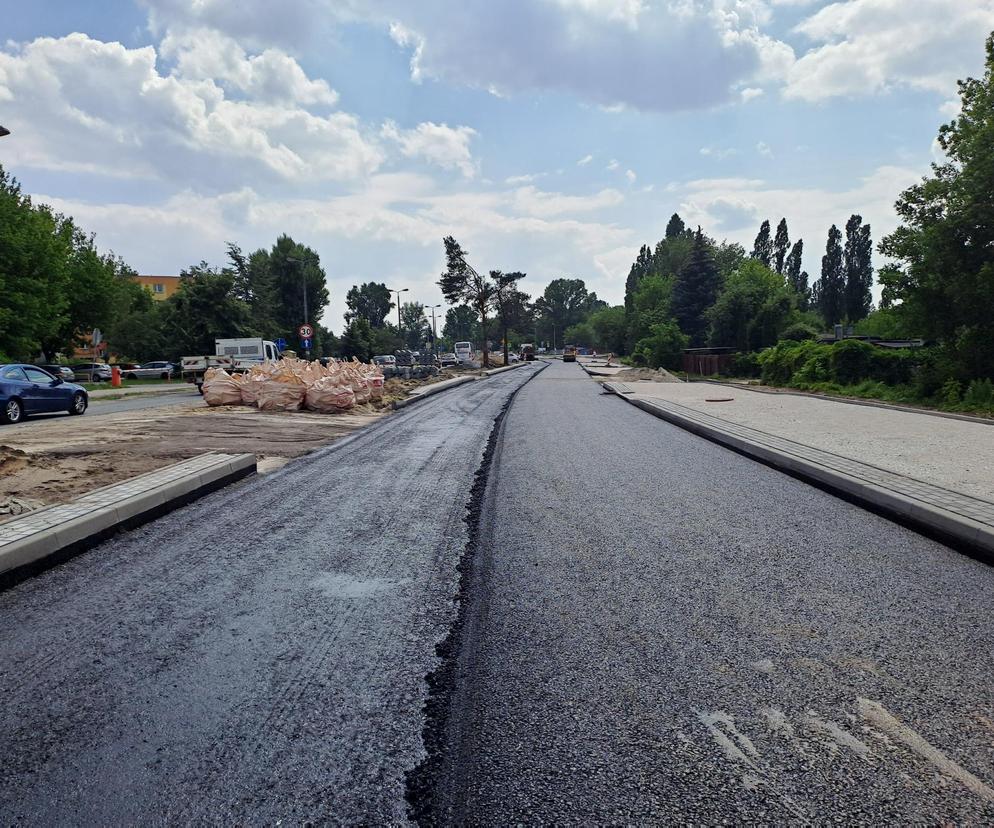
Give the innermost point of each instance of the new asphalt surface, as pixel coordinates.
(258, 656)
(661, 631)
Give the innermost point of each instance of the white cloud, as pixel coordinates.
(612, 165)
(749, 93)
(718, 153)
(440, 144)
(585, 160)
(524, 179)
(84, 104)
(631, 176)
(871, 46)
(534, 202)
(764, 149)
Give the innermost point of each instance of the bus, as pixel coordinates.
(464, 351)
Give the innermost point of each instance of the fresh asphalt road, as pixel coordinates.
(663, 631)
(258, 656)
(655, 630)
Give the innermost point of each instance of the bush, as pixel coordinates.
(851, 361)
(745, 365)
(798, 332)
(779, 363)
(979, 395)
(951, 393)
(663, 348)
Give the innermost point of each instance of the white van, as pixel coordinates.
(464, 351)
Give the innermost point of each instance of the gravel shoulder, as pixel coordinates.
(257, 656)
(667, 632)
(954, 454)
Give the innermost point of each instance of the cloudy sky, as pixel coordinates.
(549, 136)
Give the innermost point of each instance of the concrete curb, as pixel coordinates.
(139, 391)
(916, 513)
(907, 409)
(39, 539)
(429, 390)
(493, 371)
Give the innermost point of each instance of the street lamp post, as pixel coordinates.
(434, 329)
(303, 285)
(398, 292)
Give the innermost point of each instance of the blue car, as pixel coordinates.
(26, 389)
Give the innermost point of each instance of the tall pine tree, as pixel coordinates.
(857, 268)
(832, 286)
(781, 244)
(639, 270)
(762, 248)
(696, 290)
(675, 226)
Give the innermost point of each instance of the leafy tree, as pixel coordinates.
(729, 256)
(751, 309)
(857, 268)
(357, 340)
(832, 286)
(461, 324)
(651, 305)
(385, 340)
(696, 290)
(462, 284)
(641, 267)
(204, 308)
(564, 303)
(781, 244)
(511, 304)
(609, 329)
(663, 348)
(414, 327)
(886, 323)
(675, 227)
(371, 301)
(762, 248)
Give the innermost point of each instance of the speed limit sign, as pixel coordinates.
(305, 331)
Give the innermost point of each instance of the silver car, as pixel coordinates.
(150, 370)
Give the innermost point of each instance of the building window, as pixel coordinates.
(160, 288)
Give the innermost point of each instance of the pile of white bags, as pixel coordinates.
(290, 383)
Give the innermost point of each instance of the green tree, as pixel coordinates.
(797, 278)
(781, 244)
(370, 301)
(857, 268)
(462, 284)
(204, 308)
(510, 303)
(663, 348)
(831, 289)
(564, 303)
(675, 227)
(752, 307)
(762, 248)
(414, 327)
(357, 340)
(696, 290)
(641, 267)
(461, 324)
(609, 328)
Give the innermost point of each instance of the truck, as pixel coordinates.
(527, 352)
(233, 355)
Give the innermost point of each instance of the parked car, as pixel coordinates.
(386, 360)
(91, 372)
(150, 370)
(448, 359)
(512, 357)
(63, 371)
(27, 389)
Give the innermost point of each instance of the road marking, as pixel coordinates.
(876, 715)
(838, 735)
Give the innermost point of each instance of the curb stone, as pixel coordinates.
(920, 513)
(39, 539)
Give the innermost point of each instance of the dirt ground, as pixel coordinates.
(643, 374)
(54, 460)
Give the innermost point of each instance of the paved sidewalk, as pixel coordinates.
(930, 470)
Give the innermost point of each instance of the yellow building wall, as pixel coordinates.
(160, 287)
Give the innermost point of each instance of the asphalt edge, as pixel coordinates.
(427, 804)
(967, 535)
(431, 390)
(93, 529)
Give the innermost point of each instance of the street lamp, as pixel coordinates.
(398, 292)
(434, 329)
(303, 285)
